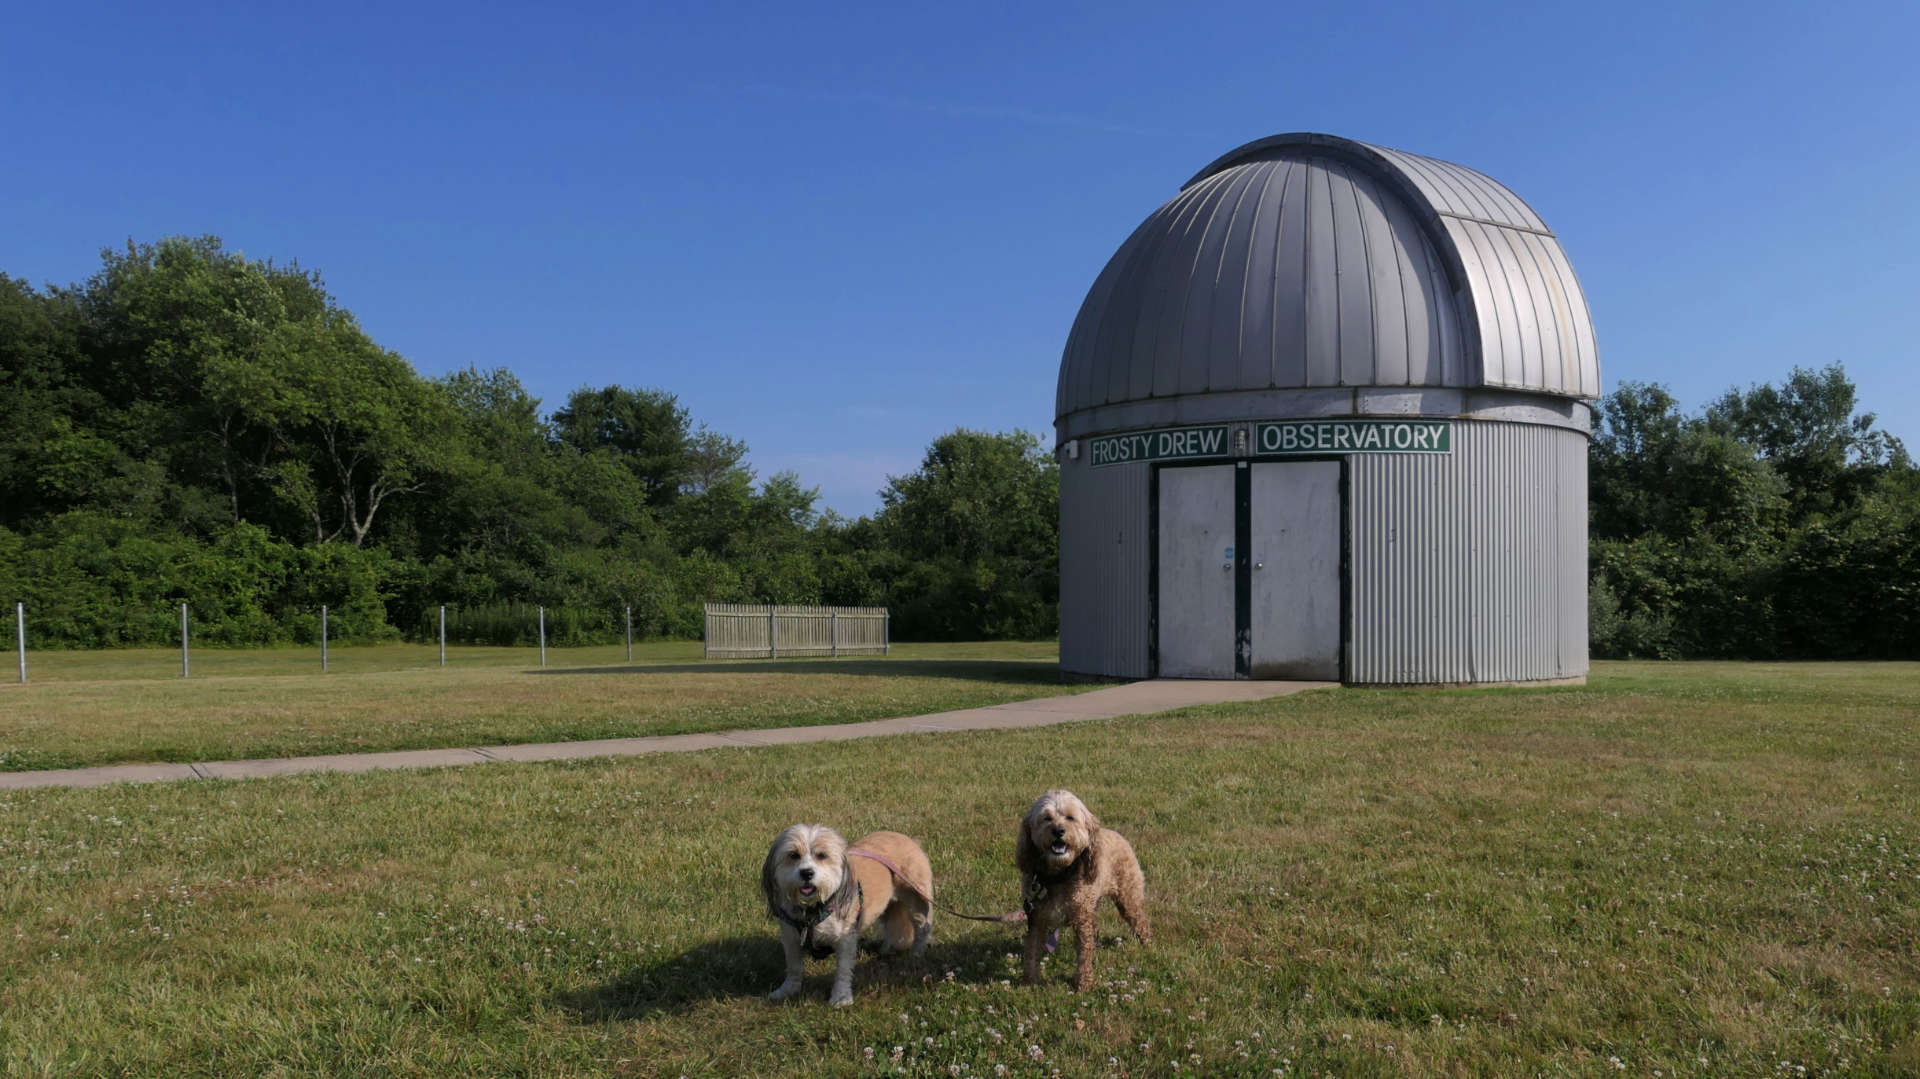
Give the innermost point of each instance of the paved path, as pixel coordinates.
(1133, 699)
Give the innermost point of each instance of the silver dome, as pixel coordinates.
(1309, 261)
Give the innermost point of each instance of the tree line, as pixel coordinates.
(1778, 522)
(190, 425)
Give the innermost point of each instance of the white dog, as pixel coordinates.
(825, 893)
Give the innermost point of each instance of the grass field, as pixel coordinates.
(1677, 870)
(87, 708)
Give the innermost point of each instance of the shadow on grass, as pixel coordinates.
(1007, 671)
(735, 967)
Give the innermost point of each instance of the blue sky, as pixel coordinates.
(838, 233)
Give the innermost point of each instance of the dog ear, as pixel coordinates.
(769, 887)
(1026, 856)
(1089, 860)
(1088, 863)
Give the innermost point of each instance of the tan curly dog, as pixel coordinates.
(1068, 863)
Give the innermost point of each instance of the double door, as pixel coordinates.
(1248, 570)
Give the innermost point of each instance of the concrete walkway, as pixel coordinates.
(1136, 698)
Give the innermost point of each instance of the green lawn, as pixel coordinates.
(1682, 870)
(87, 708)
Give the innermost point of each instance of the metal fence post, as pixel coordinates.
(629, 634)
(183, 640)
(773, 634)
(835, 622)
(886, 633)
(323, 636)
(443, 634)
(543, 636)
(20, 637)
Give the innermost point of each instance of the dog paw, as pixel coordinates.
(786, 990)
(841, 1000)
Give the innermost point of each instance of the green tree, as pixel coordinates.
(1655, 471)
(711, 458)
(973, 536)
(647, 431)
(255, 392)
(52, 458)
(504, 487)
(1779, 523)
(166, 324)
(1848, 586)
(353, 427)
(1809, 431)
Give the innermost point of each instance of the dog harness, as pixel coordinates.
(1039, 887)
(1035, 894)
(811, 917)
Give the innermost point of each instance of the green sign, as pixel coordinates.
(1292, 438)
(1169, 445)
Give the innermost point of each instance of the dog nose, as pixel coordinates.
(807, 873)
(1059, 833)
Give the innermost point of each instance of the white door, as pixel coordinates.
(1296, 573)
(1196, 572)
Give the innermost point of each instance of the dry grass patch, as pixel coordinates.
(295, 711)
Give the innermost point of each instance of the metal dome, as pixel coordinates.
(1309, 261)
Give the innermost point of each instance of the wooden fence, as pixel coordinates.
(744, 629)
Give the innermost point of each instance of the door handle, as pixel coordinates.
(1259, 565)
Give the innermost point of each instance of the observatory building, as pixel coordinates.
(1324, 416)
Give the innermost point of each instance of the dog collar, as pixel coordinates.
(1077, 867)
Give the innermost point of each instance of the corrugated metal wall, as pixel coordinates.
(1573, 559)
(1465, 567)
(1104, 547)
(1471, 567)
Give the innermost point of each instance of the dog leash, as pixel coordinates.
(1010, 917)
